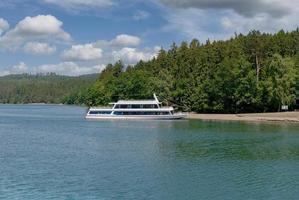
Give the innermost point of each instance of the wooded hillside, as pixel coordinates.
(248, 73)
(42, 88)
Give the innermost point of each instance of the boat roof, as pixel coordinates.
(137, 102)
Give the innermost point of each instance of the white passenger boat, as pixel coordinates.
(136, 110)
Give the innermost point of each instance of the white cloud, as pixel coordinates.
(16, 69)
(41, 27)
(234, 22)
(132, 55)
(93, 52)
(194, 23)
(64, 68)
(157, 49)
(69, 68)
(37, 48)
(86, 52)
(222, 24)
(248, 8)
(129, 56)
(126, 40)
(81, 4)
(122, 40)
(3, 25)
(4, 73)
(19, 68)
(227, 23)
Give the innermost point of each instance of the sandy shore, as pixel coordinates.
(253, 117)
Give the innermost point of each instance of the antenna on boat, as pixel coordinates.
(156, 99)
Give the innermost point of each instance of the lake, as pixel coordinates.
(52, 152)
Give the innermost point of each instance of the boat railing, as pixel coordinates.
(166, 107)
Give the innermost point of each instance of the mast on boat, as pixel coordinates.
(156, 99)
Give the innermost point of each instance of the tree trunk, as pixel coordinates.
(258, 67)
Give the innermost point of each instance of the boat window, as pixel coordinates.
(99, 112)
(136, 106)
(122, 106)
(150, 106)
(141, 113)
(164, 113)
(118, 113)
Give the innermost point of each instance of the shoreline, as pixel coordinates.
(288, 117)
(250, 117)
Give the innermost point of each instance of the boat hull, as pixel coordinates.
(136, 117)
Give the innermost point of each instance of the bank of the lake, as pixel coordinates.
(250, 117)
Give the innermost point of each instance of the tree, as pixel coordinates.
(247, 73)
(280, 79)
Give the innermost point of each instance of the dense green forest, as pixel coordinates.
(257, 72)
(42, 88)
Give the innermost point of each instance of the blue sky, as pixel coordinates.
(74, 37)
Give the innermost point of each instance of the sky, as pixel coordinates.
(74, 37)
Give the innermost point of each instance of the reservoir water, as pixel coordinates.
(52, 152)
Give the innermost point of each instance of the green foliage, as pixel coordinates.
(253, 73)
(258, 72)
(280, 81)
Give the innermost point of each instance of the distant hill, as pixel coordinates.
(42, 88)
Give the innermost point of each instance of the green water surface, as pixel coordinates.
(52, 152)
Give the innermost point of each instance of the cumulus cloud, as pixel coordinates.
(233, 22)
(126, 40)
(64, 68)
(129, 56)
(122, 40)
(132, 55)
(41, 27)
(37, 48)
(16, 69)
(86, 52)
(3, 25)
(248, 8)
(81, 4)
(69, 68)
(19, 68)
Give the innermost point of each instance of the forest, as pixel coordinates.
(42, 88)
(257, 72)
